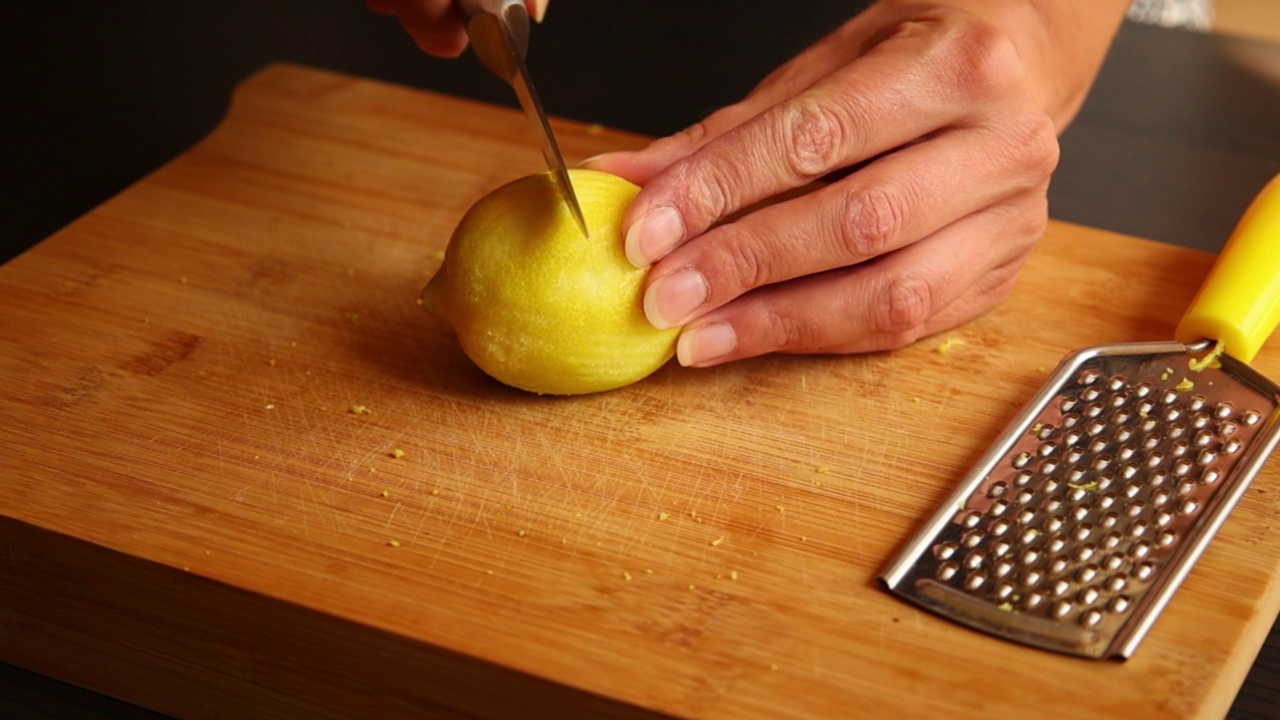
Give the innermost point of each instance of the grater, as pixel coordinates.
(1077, 527)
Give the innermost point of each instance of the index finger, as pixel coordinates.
(921, 80)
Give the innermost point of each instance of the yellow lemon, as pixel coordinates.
(537, 305)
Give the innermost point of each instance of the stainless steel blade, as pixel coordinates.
(499, 35)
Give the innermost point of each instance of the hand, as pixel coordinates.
(435, 25)
(947, 115)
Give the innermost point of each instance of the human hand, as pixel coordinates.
(947, 113)
(435, 24)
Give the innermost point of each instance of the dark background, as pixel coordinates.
(1174, 141)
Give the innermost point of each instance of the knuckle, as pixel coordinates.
(905, 307)
(984, 58)
(747, 266)
(873, 221)
(778, 331)
(813, 138)
(1041, 137)
(702, 194)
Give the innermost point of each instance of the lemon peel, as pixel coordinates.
(536, 305)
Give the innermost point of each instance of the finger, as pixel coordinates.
(434, 25)
(814, 63)
(537, 9)
(887, 205)
(898, 92)
(886, 303)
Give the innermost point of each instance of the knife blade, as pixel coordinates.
(499, 32)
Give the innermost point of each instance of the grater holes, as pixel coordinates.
(947, 570)
(1088, 596)
(1088, 377)
(1231, 447)
(1140, 550)
(1142, 389)
(997, 489)
(1227, 428)
(1085, 552)
(944, 551)
(1091, 394)
(1119, 604)
(1223, 410)
(1200, 420)
(1092, 617)
(1116, 382)
(1251, 417)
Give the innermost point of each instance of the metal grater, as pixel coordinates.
(1076, 529)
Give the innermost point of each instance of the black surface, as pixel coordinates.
(1176, 138)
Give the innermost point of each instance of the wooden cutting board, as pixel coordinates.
(193, 518)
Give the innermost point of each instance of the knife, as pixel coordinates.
(499, 32)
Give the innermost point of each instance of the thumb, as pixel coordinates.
(537, 9)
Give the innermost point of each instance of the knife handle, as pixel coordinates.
(1239, 302)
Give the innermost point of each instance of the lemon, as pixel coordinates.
(537, 305)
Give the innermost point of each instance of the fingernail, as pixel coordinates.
(704, 345)
(653, 235)
(587, 163)
(673, 298)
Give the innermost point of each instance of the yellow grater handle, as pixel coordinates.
(1239, 303)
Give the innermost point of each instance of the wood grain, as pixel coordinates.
(188, 496)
